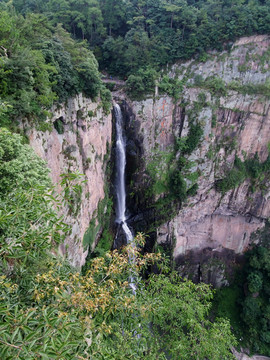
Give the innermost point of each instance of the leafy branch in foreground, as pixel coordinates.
(66, 315)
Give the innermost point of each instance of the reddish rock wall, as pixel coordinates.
(210, 220)
(81, 148)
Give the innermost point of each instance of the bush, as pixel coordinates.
(59, 126)
(216, 86)
(250, 168)
(234, 178)
(178, 185)
(41, 65)
(106, 99)
(193, 190)
(135, 87)
(193, 139)
(19, 165)
(255, 305)
(170, 86)
(251, 89)
(71, 313)
(141, 84)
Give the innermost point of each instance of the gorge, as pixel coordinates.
(213, 228)
(134, 179)
(235, 122)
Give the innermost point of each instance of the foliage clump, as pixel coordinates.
(59, 126)
(246, 301)
(19, 165)
(250, 168)
(184, 147)
(193, 139)
(127, 36)
(171, 174)
(142, 83)
(171, 86)
(255, 305)
(63, 314)
(41, 64)
(251, 89)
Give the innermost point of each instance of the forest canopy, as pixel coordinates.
(127, 35)
(50, 50)
(39, 65)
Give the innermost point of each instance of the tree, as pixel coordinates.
(19, 165)
(255, 304)
(141, 84)
(83, 18)
(113, 56)
(70, 315)
(39, 65)
(180, 323)
(113, 12)
(86, 75)
(168, 30)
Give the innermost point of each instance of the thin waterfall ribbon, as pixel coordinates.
(120, 167)
(121, 187)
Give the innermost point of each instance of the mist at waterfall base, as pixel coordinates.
(120, 186)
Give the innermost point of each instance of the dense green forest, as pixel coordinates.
(51, 50)
(41, 64)
(127, 35)
(129, 38)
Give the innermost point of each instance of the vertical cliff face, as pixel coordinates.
(228, 95)
(79, 140)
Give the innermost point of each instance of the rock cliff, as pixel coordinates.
(228, 94)
(78, 139)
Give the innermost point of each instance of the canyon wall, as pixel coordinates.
(231, 91)
(228, 95)
(77, 140)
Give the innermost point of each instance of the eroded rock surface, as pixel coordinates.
(81, 145)
(236, 121)
(243, 356)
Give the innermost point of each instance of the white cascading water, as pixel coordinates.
(121, 186)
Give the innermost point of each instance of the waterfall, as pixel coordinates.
(120, 167)
(120, 185)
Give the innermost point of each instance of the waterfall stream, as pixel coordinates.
(120, 167)
(121, 186)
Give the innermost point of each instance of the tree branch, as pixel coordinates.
(5, 50)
